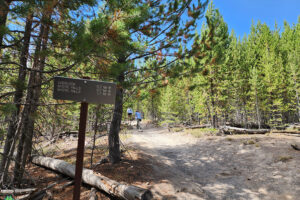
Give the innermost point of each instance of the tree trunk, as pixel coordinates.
(209, 112)
(113, 137)
(11, 133)
(95, 131)
(153, 116)
(101, 182)
(246, 115)
(33, 95)
(4, 9)
(213, 111)
(257, 110)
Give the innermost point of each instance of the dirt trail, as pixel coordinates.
(218, 167)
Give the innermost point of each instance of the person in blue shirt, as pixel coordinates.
(129, 113)
(138, 117)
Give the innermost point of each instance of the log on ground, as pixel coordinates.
(17, 191)
(235, 130)
(198, 126)
(287, 131)
(111, 187)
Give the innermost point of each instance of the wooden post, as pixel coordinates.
(84, 91)
(80, 150)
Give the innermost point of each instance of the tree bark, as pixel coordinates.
(11, 133)
(98, 181)
(33, 94)
(113, 137)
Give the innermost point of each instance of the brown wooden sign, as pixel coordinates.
(83, 90)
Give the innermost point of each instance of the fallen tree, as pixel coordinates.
(235, 130)
(98, 181)
(287, 131)
(198, 126)
(17, 191)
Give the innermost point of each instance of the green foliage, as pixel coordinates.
(7, 109)
(210, 53)
(248, 81)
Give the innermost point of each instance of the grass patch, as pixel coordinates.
(285, 158)
(268, 133)
(201, 132)
(249, 142)
(176, 129)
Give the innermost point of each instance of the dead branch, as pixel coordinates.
(93, 194)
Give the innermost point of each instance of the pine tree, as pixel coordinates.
(210, 53)
(290, 55)
(42, 54)
(135, 30)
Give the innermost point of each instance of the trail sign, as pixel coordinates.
(83, 90)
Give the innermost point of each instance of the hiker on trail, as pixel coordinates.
(129, 113)
(138, 117)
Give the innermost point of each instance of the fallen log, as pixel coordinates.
(235, 130)
(17, 191)
(111, 187)
(67, 134)
(287, 131)
(198, 126)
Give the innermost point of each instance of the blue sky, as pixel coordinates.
(238, 14)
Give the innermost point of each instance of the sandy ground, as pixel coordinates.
(221, 167)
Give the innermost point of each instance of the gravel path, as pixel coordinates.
(217, 167)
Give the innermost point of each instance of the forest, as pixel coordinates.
(250, 81)
(176, 62)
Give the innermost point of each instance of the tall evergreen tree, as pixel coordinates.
(136, 30)
(210, 48)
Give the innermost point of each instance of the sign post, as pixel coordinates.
(85, 91)
(80, 150)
